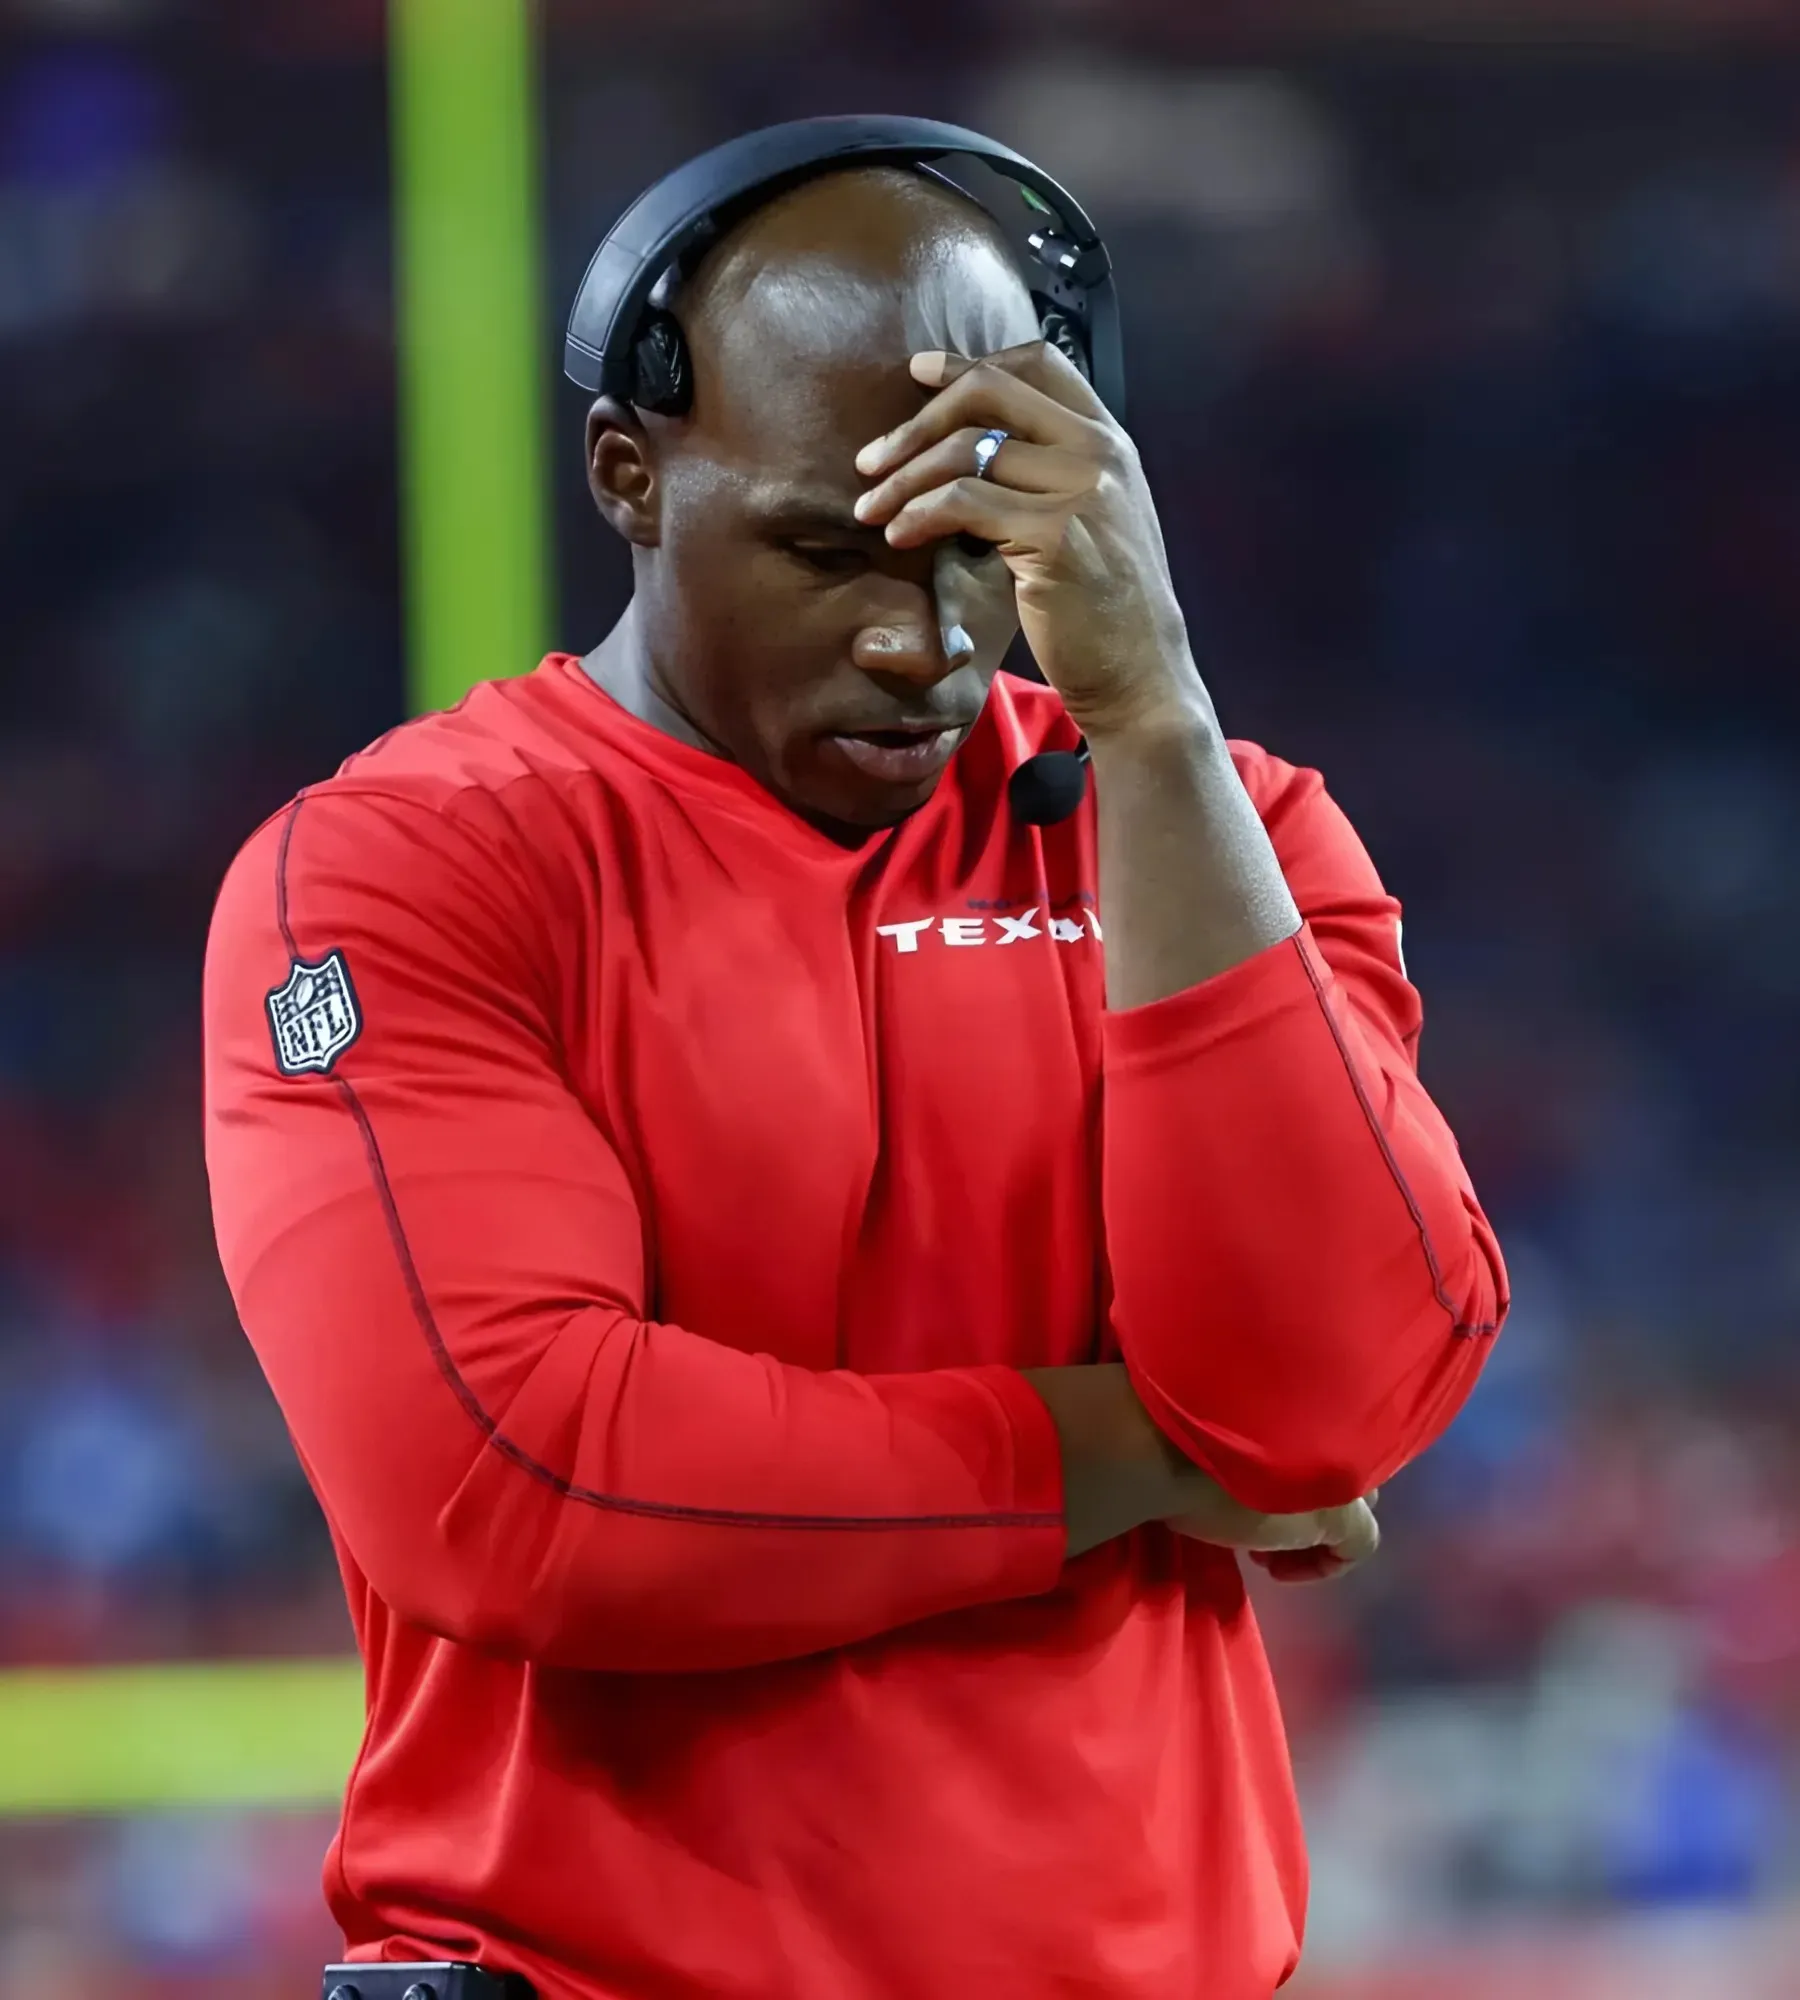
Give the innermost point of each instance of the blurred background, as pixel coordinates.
(1464, 342)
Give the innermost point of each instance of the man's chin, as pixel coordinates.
(853, 813)
(869, 784)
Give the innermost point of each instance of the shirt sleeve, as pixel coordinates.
(1304, 1283)
(438, 1258)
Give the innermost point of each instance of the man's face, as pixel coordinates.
(841, 673)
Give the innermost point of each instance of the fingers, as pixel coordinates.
(998, 514)
(1223, 1521)
(1353, 1533)
(1010, 391)
(1037, 362)
(1060, 446)
(1299, 1565)
(1019, 464)
(1347, 1536)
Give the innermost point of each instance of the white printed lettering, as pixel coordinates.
(1032, 923)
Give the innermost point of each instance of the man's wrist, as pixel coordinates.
(1161, 700)
(1119, 1470)
(1164, 722)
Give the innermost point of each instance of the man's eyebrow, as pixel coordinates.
(809, 514)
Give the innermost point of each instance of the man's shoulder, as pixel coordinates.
(499, 732)
(443, 799)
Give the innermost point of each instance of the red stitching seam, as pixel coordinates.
(1438, 1287)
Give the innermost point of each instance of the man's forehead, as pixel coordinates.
(815, 342)
(961, 292)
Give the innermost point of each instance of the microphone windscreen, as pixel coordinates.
(1048, 787)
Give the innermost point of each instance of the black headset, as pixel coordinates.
(620, 344)
(623, 345)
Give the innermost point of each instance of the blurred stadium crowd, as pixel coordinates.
(1469, 383)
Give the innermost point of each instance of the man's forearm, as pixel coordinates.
(1119, 1471)
(1188, 879)
(1295, 1250)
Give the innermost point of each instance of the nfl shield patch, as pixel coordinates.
(314, 1017)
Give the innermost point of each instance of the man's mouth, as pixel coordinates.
(903, 755)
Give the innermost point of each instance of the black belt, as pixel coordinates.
(440, 1979)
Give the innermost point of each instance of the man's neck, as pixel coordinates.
(621, 664)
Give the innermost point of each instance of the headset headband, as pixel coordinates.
(675, 216)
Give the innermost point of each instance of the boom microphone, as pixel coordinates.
(1048, 787)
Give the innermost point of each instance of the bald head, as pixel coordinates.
(852, 271)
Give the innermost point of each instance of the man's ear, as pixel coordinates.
(622, 474)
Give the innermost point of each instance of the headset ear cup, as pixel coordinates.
(662, 376)
(1064, 334)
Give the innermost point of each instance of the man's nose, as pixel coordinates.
(915, 645)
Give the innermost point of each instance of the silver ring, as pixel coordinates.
(987, 449)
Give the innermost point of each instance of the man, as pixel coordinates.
(659, 1152)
